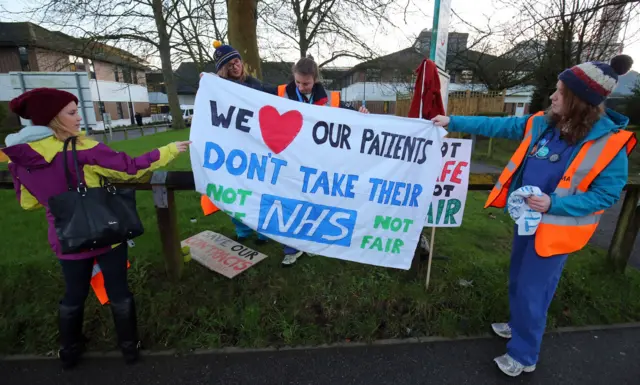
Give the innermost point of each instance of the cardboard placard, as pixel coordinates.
(221, 254)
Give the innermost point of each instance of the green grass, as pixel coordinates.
(319, 300)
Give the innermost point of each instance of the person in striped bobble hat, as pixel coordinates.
(229, 65)
(573, 161)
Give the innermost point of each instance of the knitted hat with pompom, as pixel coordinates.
(594, 81)
(224, 54)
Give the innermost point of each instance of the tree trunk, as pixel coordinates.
(164, 48)
(242, 18)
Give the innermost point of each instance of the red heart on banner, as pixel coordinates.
(278, 131)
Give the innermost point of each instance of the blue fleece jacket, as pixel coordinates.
(606, 188)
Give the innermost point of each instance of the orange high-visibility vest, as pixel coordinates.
(563, 234)
(3, 157)
(499, 193)
(97, 283)
(334, 96)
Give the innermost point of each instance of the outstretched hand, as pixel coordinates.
(182, 146)
(364, 110)
(441, 120)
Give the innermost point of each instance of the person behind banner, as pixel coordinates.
(229, 66)
(37, 167)
(306, 88)
(575, 153)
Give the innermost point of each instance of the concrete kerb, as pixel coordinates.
(395, 341)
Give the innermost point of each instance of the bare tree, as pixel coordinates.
(563, 33)
(544, 38)
(242, 24)
(140, 24)
(484, 59)
(328, 23)
(197, 24)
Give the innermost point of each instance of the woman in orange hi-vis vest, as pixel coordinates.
(306, 88)
(576, 155)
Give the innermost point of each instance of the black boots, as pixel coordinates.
(73, 342)
(124, 318)
(71, 339)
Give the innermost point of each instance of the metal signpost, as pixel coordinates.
(73, 82)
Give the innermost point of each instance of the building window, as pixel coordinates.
(23, 53)
(115, 73)
(134, 74)
(102, 108)
(126, 75)
(373, 75)
(119, 109)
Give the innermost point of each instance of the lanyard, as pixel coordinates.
(542, 152)
(542, 142)
(301, 99)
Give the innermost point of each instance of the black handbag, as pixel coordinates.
(92, 218)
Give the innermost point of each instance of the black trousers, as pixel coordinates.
(77, 276)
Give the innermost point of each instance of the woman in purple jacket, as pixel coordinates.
(36, 164)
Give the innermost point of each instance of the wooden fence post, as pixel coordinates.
(626, 230)
(167, 216)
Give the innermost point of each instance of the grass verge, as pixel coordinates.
(319, 300)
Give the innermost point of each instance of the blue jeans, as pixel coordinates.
(244, 231)
(532, 284)
(289, 250)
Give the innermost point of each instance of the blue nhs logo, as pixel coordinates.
(297, 219)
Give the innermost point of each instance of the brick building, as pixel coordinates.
(117, 78)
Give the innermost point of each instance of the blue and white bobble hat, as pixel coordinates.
(594, 81)
(224, 54)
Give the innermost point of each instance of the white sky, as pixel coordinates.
(419, 16)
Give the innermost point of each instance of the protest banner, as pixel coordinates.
(324, 180)
(221, 254)
(450, 194)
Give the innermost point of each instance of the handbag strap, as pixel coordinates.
(104, 182)
(65, 163)
(74, 154)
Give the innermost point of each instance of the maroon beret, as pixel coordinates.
(41, 105)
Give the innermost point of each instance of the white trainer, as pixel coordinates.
(290, 259)
(503, 330)
(511, 367)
